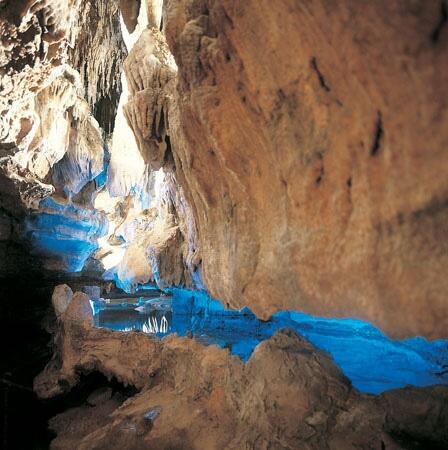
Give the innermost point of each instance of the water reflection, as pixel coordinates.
(373, 362)
(151, 316)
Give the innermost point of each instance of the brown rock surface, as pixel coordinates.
(61, 298)
(313, 150)
(288, 396)
(98, 52)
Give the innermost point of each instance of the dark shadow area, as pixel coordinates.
(25, 313)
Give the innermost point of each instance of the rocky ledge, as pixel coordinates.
(289, 395)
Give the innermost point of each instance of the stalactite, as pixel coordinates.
(98, 54)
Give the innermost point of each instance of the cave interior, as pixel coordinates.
(224, 224)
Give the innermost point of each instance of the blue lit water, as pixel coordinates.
(373, 362)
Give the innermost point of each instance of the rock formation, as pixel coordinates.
(313, 139)
(289, 395)
(151, 74)
(282, 155)
(97, 53)
(318, 174)
(50, 142)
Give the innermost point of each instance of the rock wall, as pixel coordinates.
(56, 75)
(165, 249)
(42, 111)
(308, 139)
(98, 52)
(312, 147)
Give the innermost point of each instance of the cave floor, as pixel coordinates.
(355, 346)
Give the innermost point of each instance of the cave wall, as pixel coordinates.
(162, 238)
(98, 52)
(36, 90)
(312, 146)
(307, 138)
(59, 85)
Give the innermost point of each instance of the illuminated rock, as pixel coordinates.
(151, 73)
(64, 234)
(312, 147)
(288, 395)
(356, 346)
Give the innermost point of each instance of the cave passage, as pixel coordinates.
(286, 157)
(373, 362)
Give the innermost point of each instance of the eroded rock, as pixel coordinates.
(130, 10)
(151, 75)
(289, 395)
(319, 152)
(61, 298)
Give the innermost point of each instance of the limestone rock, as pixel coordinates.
(130, 10)
(151, 75)
(154, 254)
(97, 53)
(83, 159)
(79, 312)
(289, 395)
(313, 139)
(63, 234)
(61, 298)
(49, 141)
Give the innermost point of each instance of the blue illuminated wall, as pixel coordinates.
(65, 235)
(373, 362)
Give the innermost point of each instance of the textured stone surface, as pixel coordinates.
(310, 143)
(130, 10)
(61, 298)
(31, 60)
(289, 395)
(151, 75)
(313, 174)
(98, 52)
(313, 151)
(155, 254)
(155, 228)
(50, 143)
(63, 234)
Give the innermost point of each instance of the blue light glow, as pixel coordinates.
(101, 178)
(65, 234)
(373, 362)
